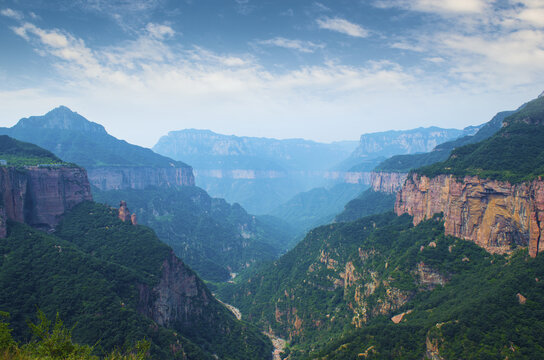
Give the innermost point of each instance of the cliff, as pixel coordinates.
(140, 177)
(496, 215)
(387, 182)
(178, 298)
(39, 196)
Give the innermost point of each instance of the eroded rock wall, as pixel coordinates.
(39, 196)
(497, 216)
(139, 177)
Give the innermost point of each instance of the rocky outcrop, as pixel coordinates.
(139, 177)
(178, 298)
(39, 196)
(497, 216)
(387, 182)
(124, 213)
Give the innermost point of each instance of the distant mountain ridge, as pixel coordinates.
(258, 173)
(111, 163)
(61, 118)
(376, 147)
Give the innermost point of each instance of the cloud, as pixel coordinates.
(14, 14)
(407, 46)
(444, 7)
(302, 46)
(159, 31)
(342, 26)
(243, 7)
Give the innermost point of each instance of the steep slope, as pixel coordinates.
(214, 238)
(258, 173)
(379, 286)
(490, 192)
(118, 283)
(110, 163)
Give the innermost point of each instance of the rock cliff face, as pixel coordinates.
(496, 215)
(178, 298)
(38, 196)
(387, 182)
(140, 177)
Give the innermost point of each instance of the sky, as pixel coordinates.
(324, 70)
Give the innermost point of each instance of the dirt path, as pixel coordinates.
(233, 309)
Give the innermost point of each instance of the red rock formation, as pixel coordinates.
(139, 177)
(124, 213)
(387, 182)
(496, 215)
(39, 196)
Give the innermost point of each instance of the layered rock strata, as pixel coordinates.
(39, 196)
(140, 177)
(497, 216)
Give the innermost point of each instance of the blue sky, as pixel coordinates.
(327, 70)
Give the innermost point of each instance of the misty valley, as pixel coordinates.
(272, 180)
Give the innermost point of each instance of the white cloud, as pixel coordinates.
(14, 14)
(160, 31)
(342, 26)
(299, 45)
(407, 46)
(444, 7)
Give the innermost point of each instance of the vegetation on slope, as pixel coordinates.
(368, 203)
(316, 207)
(514, 154)
(405, 163)
(90, 272)
(393, 268)
(75, 139)
(211, 236)
(19, 153)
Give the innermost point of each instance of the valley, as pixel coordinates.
(272, 180)
(325, 275)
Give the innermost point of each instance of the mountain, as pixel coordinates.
(376, 147)
(379, 286)
(214, 238)
(454, 274)
(258, 173)
(490, 192)
(116, 283)
(405, 163)
(110, 163)
(113, 281)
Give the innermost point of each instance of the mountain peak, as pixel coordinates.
(61, 118)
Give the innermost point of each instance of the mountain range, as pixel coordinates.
(436, 256)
